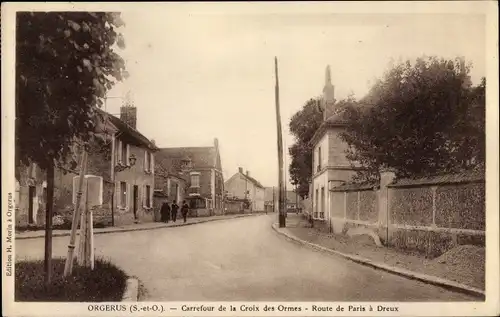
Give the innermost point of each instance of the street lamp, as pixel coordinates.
(132, 159)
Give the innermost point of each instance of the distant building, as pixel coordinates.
(271, 199)
(193, 174)
(242, 186)
(293, 201)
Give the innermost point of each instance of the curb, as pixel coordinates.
(131, 290)
(447, 284)
(65, 234)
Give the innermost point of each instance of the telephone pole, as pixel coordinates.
(281, 197)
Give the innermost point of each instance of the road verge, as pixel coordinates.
(450, 285)
(148, 226)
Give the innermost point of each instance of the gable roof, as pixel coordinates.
(253, 180)
(168, 166)
(126, 130)
(248, 178)
(200, 157)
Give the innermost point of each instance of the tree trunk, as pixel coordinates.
(48, 224)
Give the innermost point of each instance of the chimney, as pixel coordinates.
(128, 114)
(240, 169)
(328, 99)
(248, 173)
(216, 143)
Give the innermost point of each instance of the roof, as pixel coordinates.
(354, 187)
(334, 121)
(168, 166)
(128, 131)
(253, 180)
(200, 157)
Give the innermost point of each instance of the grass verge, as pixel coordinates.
(105, 283)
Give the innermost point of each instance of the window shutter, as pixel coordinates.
(144, 195)
(127, 159)
(117, 201)
(152, 163)
(119, 152)
(127, 204)
(151, 191)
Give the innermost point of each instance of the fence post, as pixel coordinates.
(359, 206)
(434, 194)
(387, 176)
(345, 206)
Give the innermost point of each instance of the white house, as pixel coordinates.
(330, 165)
(242, 186)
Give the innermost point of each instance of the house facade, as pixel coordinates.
(293, 201)
(121, 155)
(271, 199)
(243, 186)
(30, 196)
(330, 164)
(193, 174)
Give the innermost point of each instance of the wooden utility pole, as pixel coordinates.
(68, 268)
(49, 211)
(282, 208)
(274, 201)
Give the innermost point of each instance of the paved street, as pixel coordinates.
(242, 259)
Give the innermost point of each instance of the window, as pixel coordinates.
(197, 203)
(147, 196)
(148, 161)
(323, 203)
(195, 180)
(123, 194)
(124, 153)
(319, 159)
(316, 204)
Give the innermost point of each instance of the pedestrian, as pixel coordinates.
(184, 210)
(175, 208)
(165, 212)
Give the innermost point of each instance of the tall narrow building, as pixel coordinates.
(330, 165)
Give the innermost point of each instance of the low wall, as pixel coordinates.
(234, 207)
(428, 216)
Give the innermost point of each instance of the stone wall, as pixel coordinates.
(428, 216)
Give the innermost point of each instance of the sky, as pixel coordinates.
(196, 75)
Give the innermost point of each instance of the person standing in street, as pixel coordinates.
(184, 210)
(165, 212)
(175, 208)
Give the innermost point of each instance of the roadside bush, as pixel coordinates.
(106, 283)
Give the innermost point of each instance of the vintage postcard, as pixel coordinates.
(250, 159)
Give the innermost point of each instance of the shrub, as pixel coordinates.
(105, 283)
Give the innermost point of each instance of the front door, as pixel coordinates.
(31, 203)
(136, 196)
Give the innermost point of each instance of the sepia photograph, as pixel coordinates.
(250, 159)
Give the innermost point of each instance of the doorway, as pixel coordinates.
(136, 196)
(31, 203)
